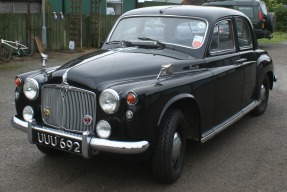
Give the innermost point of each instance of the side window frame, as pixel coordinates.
(231, 37)
(249, 38)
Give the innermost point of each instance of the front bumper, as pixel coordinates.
(89, 142)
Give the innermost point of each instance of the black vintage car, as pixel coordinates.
(164, 75)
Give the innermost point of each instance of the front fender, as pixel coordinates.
(171, 102)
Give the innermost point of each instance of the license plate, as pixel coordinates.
(58, 142)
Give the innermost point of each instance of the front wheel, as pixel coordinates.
(5, 54)
(263, 93)
(170, 149)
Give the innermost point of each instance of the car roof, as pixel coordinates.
(207, 12)
(233, 2)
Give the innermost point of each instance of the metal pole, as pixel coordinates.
(44, 30)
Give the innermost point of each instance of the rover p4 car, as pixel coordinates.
(164, 75)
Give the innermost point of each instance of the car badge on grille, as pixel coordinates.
(87, 120)
(64, 78)
(64, 92)
(47, 111)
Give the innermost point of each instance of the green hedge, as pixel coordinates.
(280, 9)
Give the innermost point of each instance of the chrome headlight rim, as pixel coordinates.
(36, 84)
(103, 101)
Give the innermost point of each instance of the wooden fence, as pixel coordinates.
(24, 27)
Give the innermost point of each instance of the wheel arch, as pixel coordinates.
(271, 79)
(188, 105)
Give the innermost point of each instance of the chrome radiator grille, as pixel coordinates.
(68, 108)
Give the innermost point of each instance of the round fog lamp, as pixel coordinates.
(28, 114)
(103, 129)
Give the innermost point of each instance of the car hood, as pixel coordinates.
(120, 64)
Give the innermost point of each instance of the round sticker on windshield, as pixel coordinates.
(201, 25)
(197, 41)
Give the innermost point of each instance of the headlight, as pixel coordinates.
(31, 89)
(103, 129)
(109, 101)
(28, 113)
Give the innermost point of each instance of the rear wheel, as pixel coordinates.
(5, 54)
(263, 93)
(49, 151)
(169, 153)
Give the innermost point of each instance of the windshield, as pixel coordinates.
(187, 32)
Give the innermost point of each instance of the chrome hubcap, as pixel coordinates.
(262, 93)
(177, 142)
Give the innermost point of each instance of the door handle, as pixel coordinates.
(240, 61)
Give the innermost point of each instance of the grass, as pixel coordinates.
(278, 37)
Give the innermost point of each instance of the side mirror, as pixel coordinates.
(168, 69)
(165, 69)
(44, 58)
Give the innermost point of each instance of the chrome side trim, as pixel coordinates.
(219, 128)
(88, 142)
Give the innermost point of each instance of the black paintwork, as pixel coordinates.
(215, 84)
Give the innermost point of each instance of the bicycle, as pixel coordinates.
(23, 48)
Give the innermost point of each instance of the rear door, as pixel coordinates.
(247, 58)
(224, 62)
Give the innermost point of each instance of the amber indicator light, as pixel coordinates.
(131, 98)
(18, 82)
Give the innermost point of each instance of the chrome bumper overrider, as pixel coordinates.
(88, 142)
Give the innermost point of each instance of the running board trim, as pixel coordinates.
(219, 128)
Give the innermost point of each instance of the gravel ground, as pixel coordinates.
(249, 156)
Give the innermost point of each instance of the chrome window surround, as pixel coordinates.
(164, 16)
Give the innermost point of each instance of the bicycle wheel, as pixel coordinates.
(26, 49)
(5, 54)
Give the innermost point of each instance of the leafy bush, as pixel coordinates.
(281, 16)
(280, 9)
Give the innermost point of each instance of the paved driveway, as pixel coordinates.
(249, 156)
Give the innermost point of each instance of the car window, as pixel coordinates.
(223, 38)
(247, 10)
(188, 32)
(243, 34)
(263, 7)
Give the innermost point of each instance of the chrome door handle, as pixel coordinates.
(241, 60)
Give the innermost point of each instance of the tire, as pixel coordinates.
(271, 22)
(263, 94)
(27, 52)
(49, 151)
(168, 156)
(5, 54)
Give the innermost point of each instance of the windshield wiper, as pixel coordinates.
(156, 42)
(123, 42)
